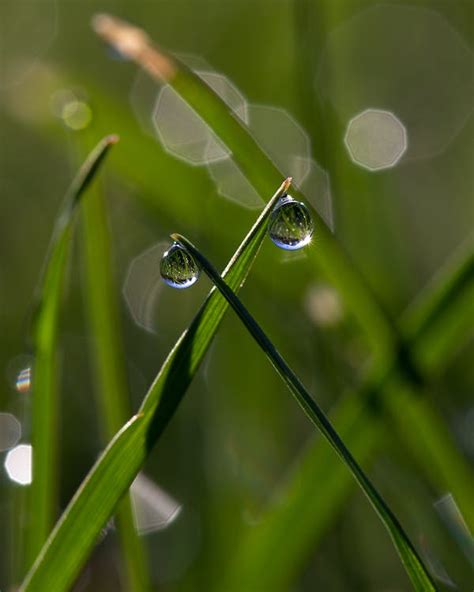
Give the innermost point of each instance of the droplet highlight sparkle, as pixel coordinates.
(178, 268)
(290, 226)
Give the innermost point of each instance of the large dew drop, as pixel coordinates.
(290, 226)
(178, 268)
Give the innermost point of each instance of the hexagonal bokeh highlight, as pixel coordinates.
(10, 431)
(392, 65)
(281, 136)
(144, 91)
(18, 464)
(181, 130)
(153, 508)
(376, 139)
(142, 286)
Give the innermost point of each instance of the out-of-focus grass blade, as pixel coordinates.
(257, 167)
(73, 537)
(109, 362)
(442, 311)
(414, 566)
(42, 495)
(88, 512)
(311, 497)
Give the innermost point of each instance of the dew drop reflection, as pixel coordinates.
(178, 268)
(290, 226)
(153, 508)
(10, 431)
(18, 464)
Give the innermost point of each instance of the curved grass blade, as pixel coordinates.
(415, 568)
(74, 536)
(42, 494)
(108, 358)
(439, 313)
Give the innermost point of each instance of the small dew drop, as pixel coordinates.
(290, 226)
(178, 268)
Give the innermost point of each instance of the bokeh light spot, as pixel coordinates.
(23, 380)
(284, 140)
(77, 115)
(376, 139)
(181, 130)
(10, 431)
(143, 285)
(18, 464)
(406, 59)
(323, 305)
(153, 508)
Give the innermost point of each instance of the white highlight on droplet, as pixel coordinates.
(18, 464)
(376, 139)
(10, 431)
(153, 508)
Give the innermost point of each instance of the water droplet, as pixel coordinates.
(178, 268)
(290, 226)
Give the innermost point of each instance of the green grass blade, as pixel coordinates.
(415, 568)
(75, 534)
(326, 484)
(42, 495)
(109, 361)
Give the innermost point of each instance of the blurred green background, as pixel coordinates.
(369, 106)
